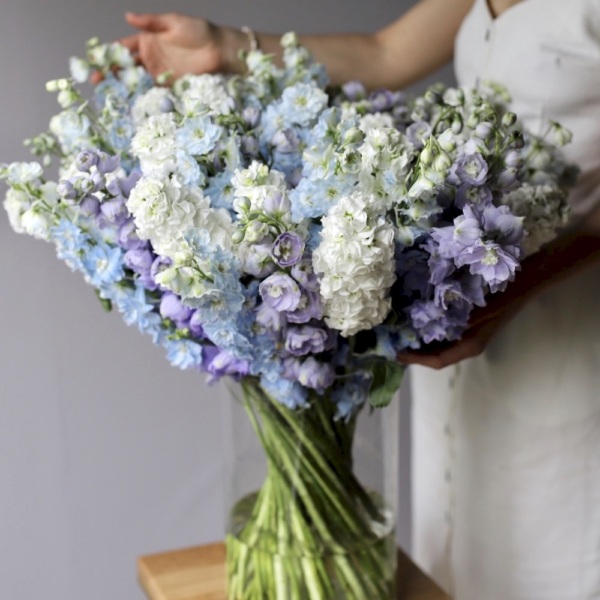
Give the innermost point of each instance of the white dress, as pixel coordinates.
(506, 447)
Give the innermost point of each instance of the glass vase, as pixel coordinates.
(312, 500)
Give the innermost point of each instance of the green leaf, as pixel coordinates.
(105, 302)
(387, 377)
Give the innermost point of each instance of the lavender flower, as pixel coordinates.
(281, 292)
(472, 169)
(288, 249)
(305, 340)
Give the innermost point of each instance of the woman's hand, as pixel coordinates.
(177, 44)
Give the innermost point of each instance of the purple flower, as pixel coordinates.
(491, 261)
(305, 340)
(309, 308)
(66, 189)
(113, 212)
(86, 160)
(507, 229)
(90, 206)
(383, 99)
(436, 324)
(128, 238)
(139, 260)
(225, 363)
(124, 185)
(195, 325)
(291, 366)
(107, 164)
(475, 195)
(316, 375)
(303, 273)
(354, 90)
(288, 249)
(472, 169)
(172, 308)
(269, 318)
(281, 292)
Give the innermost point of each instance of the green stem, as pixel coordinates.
(309, 532)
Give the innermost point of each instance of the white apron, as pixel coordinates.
(506, 447)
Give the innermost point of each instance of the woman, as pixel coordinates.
(507, 433)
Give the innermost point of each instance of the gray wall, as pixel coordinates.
(106, 452)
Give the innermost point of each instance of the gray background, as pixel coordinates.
(106, 452)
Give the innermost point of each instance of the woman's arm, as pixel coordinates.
(412, 47)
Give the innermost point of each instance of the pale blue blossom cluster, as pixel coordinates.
(266, 226)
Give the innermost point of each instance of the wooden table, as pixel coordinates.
(199, 574)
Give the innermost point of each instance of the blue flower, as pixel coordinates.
(103, 264)
(199, 135)
(302, 103)
(288, 393)
(184, 354)
(350, 394)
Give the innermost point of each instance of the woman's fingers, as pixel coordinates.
(150, 22)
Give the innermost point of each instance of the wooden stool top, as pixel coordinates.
(198, 573)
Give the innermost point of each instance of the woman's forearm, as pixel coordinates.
(414, 46)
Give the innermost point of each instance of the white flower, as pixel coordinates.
(80, 69)
(375, 121)
(164, 210)
(256, 183)
(72, 130)
(154, 144)
(16, 203)
(202, 93)
(23, 172)
(356, 263)
(545, 210)
(149, 104)
(37, 221)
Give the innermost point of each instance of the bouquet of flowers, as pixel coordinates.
(295, 238)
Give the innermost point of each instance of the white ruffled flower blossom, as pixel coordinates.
(155, 145)
(375, 121)
(198, 94)
(150, 104)
(16, 204)
(256, 183)
(355, 261)
(164, 210)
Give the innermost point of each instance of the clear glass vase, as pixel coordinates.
(312, 500)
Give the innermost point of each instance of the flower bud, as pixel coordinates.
(484, 130)
(426, 156)
(66, 190)
(353, 136)
(518, 141)
(242, 204)
(509, 119)
(512, 158)
(442, 162)
(559, 135)
(238, 236)
(454, 97)
(256, 231)
(457, 124)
